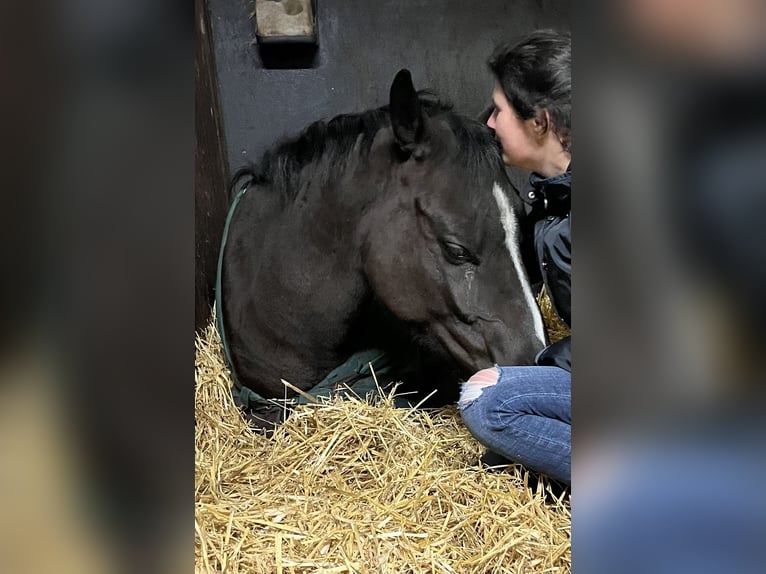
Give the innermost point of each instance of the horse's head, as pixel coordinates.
(441, 241)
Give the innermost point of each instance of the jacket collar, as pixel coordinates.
(549, 194)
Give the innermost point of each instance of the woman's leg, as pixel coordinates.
(524, 414)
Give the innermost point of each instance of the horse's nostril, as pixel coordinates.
(489, 319)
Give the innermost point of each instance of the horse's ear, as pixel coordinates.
(407, 117)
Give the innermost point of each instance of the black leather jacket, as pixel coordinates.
(549, 206)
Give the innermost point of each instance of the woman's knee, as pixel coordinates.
(473, 387)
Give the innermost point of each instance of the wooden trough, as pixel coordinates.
(359, 486)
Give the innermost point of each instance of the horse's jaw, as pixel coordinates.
(468, 351)
(484, 342)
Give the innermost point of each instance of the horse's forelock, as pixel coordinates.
(478, 151)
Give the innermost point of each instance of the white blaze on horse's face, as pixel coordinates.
(510, 225)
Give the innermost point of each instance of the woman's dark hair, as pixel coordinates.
(536, 74)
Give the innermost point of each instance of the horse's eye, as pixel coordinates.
(457, 254)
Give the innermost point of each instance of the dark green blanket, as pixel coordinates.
(352, 378)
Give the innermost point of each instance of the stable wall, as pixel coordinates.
(248, 96)
(362, 44)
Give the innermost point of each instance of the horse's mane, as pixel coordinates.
(327, 145)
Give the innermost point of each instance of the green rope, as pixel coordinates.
(243, 396)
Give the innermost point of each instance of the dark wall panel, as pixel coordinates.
(362, 44)
(210, 169)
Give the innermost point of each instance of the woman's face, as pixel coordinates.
(521, 146)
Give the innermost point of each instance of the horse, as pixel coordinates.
(395, 228)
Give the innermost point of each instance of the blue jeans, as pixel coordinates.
(526, 416)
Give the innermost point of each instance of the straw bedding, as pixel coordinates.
(359, 486)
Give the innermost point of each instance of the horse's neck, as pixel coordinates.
(313, 260)
(314, 267)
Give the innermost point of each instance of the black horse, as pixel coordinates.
(394, 229)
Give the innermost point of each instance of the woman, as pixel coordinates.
(524, 413)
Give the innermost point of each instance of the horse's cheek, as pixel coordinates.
(390, 277)
(458, 285)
